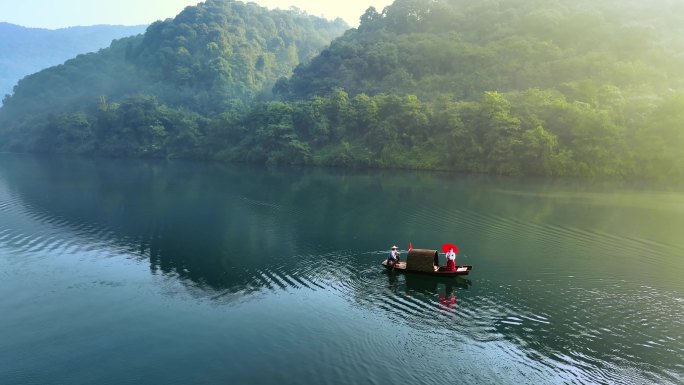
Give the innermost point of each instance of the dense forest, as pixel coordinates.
(517, 87)
(24, 51)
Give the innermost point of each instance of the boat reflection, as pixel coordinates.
(447, 298)
(427, 284)
(441, 292)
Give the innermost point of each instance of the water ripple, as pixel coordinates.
(542, 325)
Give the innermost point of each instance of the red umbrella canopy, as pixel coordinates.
(448, 246)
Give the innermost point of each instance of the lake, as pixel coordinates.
(170, 272)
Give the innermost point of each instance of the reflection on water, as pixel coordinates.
(434, 292)
(573, 281)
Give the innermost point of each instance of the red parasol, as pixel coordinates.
(448, 246)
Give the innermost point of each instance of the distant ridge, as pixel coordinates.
(509, 87)
(24, 50)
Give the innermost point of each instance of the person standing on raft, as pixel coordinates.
(451, 260)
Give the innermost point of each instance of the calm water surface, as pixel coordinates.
(130, 272)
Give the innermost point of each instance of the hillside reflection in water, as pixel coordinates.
(573, 281)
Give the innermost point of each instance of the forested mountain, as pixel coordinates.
(540, 87)
(508, 86)
(209, 59)
(462, 48)
(24, 51)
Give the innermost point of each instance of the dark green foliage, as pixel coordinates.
(532, 132)
(517, 87)
(222, 51)
(208, 59)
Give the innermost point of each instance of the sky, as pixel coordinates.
(66, 13)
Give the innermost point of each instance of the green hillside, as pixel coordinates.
(520, 87)
(24, 51)
(211, 58)
(508, 87)
(462, 48)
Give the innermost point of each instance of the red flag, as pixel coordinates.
(410, 246)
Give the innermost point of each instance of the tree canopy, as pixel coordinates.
(517, 87)
(208, 58)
